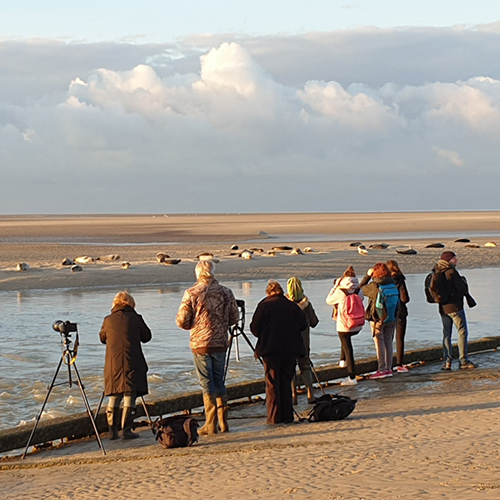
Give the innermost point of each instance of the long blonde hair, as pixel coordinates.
(124, 299)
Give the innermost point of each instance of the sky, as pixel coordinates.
(321, 106)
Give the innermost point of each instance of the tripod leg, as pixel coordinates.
(43, 406)
(237, 351)
(231, 338)
(89, 410)
(317, 378)
(249, 343)
(146, 412)
(98, 409)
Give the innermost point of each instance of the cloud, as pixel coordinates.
(451, 156)
(237, 127)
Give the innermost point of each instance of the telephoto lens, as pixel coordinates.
(64, 326)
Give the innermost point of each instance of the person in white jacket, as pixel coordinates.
(343, 286)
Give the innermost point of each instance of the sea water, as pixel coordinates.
(31, 350)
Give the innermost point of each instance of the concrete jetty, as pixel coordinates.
(78, 425)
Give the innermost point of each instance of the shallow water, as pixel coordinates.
(31, 349)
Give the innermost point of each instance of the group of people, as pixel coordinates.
(281, 322)
(388, 279)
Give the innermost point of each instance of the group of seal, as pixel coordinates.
(362, 250)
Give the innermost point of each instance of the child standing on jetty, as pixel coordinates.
(382, 308)
(344, 286)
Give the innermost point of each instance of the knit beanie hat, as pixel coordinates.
(294, 289)
(448, 255)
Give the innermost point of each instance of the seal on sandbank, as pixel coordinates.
(109, 258)
(407, 251)
(84, 259)
(160, 256)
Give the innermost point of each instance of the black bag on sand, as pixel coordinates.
(176, 432)
(331, 407)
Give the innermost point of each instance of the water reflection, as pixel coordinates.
(31, 349)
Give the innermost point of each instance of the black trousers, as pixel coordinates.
(400, 340)
(279, 371)
(347, 352)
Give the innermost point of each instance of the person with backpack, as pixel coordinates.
(383, 304)
(349, 313)
(449, 289)
(401, 318)
(295, 293)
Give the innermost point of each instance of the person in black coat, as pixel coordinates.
(278, 324)
(451, 310)
(401, 318)
(125, 368)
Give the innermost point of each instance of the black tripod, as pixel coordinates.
(68, 357)
(234, 332)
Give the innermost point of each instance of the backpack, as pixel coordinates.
(352, 312)
(387, 302)
(331, 407)
(436, 288)
(176, 432)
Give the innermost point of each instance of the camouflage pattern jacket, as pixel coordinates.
(208, 309)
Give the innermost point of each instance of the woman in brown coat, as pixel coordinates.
(125, 368)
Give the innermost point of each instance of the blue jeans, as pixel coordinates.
(210, 370)
(457, 318)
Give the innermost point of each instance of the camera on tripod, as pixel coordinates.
(64, 327)
(68, 357)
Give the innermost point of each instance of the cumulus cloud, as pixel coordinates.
(236, 127)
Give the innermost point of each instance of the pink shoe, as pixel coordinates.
(402, 369)
(388, 373)
(378, 375)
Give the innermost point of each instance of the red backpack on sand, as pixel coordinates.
(352, 310)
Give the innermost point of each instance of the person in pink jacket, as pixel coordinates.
(342, 287)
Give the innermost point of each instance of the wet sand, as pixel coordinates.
(43, 242)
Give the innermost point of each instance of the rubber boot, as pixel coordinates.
(112, 417)
(222, 409)
(307, 376)
(210, 427)
(127, 420)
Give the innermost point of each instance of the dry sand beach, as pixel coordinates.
(426, 433)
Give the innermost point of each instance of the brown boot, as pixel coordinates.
(210, 427)
(222, 409)
(113, 418)
(128, 415)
